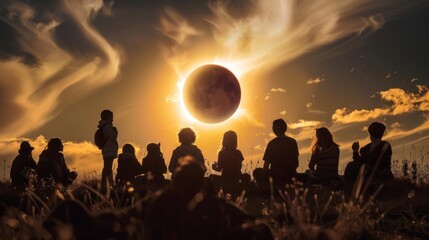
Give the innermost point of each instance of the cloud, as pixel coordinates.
(281, 90)
(396, 125)
(400, 101)
(35, 87)
(245, 37)
(315, 81)
(344, 115)
(283, 112)
(172, 98)
(304, 124)
(176, 27)
(267, 96)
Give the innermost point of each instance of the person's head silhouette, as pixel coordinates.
(25, 148)
(106, 115)
(376, 130)
(324, 140)
(229, 140)
(128, 148)
(153, 149)
(55, 145)
(279, 127)
(187, 136)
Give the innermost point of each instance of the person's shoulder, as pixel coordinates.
(290, 139)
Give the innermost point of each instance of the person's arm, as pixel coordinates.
(14, 172)
(163, 167)
(144, 165)
(200, 158)
(173, 162)
(219, 166)
(296, 159)
(64, 169)
(267, 157)
(386, 161)
(312, 162)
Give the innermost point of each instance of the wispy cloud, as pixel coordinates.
(172, 98)
(280, 90)
(246, 38)
(57, 69)
(304, 124)
(315, 81)
(396, 125)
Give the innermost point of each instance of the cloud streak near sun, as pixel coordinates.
(42, 69)
(270, 33)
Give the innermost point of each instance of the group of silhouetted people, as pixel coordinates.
(51, 166)
(280, 158)
(188, 206)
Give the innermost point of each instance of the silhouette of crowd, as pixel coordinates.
(188, 206)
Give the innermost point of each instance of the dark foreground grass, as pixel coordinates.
(398, 210)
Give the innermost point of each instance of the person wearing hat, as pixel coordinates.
(370, 154)
(281, 155)
(22, 166)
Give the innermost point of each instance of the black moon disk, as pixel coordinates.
(211, 93)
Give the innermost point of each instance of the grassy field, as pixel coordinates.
(398, 210)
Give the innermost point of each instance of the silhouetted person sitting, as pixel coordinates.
(377, 150)
(128, 165)
(187, 148)
(229, 160)
(281, 155)
(52, 164)
(22, 166)
(324, 159)
(153, 164)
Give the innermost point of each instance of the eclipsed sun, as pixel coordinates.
(211, 93)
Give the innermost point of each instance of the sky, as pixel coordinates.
(314, 63)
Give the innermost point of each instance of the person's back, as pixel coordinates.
(154, 162)
(128, 165)
(186, 138)
(325, 163)
(376, 150)
(22, 166)
(281, 155)
(325, 156)
(230, 162)
(370, 153)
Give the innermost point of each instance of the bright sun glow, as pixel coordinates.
(181, 83)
